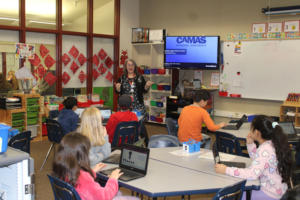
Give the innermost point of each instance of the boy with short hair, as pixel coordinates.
(67, 117)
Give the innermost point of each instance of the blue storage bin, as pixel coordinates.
(167, 87)
(251, 117)
(154, 71)
(146, 71)
(159, 104)
(3, 137)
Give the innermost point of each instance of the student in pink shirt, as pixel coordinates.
(71, 164)
(271, 163)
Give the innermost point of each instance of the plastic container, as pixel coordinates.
(159, 120)
(154, 71)
(152, 118)
(147, 71)
(159, 104)
(251, 117)
(18, 116)
(153, 103)
(154, 87)
(17, 122)
(32, 121)
(161, 71)
(167, 87)
(34, 114)
(3, 137)
(33, 129)
(160, 87)
(33, 108)
(32, 101)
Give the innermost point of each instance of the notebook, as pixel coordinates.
(133, 162)
(289, 129)
(105, 113)
(227, 163)
(237, 125)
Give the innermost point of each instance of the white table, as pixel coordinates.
(241, 133)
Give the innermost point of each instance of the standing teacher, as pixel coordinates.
(133, 84)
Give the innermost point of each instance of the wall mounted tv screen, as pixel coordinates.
(192, 52)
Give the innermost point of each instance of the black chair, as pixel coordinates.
(172, 126)
(233, 192)
(228, 143)
(63, 190)
(126, 132)
(160, 141)
(55, 134)
(21, 141)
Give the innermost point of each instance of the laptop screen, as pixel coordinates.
(287, 127)
(105, 113)
(134, 159)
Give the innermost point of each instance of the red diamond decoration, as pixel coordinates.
(102, 69)
(81, 59)
(50, 78)
(74, 52)
(82, 76)
(65, 78)
(95, 60)
(109, 76)
(41, 71)
(35, 61)
(43, 50)
(49, 61)
(66, 59)
(102, 54)
(96, 74)
(74, 67)
(108, 62)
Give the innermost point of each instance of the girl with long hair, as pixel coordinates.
(271, 163)
(71, 164)
(91, 126)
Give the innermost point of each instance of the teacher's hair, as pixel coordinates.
(263, 124)
(135, 67)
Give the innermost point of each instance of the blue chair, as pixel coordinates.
(160, 141)
(63, 190)
(172, 126)
(55, 134)
(125, 133)
(233, 192)
(228, 143)
(21, 141)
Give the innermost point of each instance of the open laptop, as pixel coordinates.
(133, 162)
(236, 125)
(112, 159)
(289, 129)
(227, 163)
(105, 113)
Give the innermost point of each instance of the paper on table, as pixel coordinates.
(181, 152)
(223, 156)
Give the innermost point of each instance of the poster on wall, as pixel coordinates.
(275, 27)
(24, 50)
(291, 26)
(259, 28)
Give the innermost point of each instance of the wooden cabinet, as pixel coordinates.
(290, 111)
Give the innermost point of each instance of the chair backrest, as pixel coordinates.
(228, 143)
(172, 126)
(126, 132)
(21, 141)
(63, 190)
(160, 141)
(54, 130)
(233, 192)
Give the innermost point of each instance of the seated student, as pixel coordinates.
(71, 164)
(192, 116)
(124, 115)
(91, 126)
(67, 118)
(271, 163)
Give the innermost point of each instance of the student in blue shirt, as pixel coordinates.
(67, 118)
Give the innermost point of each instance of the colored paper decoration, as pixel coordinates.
(50, 78)
(65, 78)
(95, 60)
(96, 74)
(82, 76)
(102, 54)
(43, 50)
(41, 71)
(109, 62)
(102, 69)
(74, 67)
(109, 76)
(49, 61)
(35, 61)
(74, 52)
(81, 59)
(124, 57)
(35, 74)
(66, 59)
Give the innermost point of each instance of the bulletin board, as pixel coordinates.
(268, 69)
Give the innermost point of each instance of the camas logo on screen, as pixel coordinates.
(191, 40)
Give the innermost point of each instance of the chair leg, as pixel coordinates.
(47, 156)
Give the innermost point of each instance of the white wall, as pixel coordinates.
(215, 17)
(129, 18)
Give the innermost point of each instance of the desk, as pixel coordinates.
(171, 175)
(241, 133)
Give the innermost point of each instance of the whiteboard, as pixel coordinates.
(268, 69)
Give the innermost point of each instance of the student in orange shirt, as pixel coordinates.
(192, 116)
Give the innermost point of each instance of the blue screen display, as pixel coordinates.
(191, 52)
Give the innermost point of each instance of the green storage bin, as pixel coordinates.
(154, 86)
(33, 114)
(153, 103)
(17, 116)
(32, 101)
(17, 123)
(32, 121)
(33, 108)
